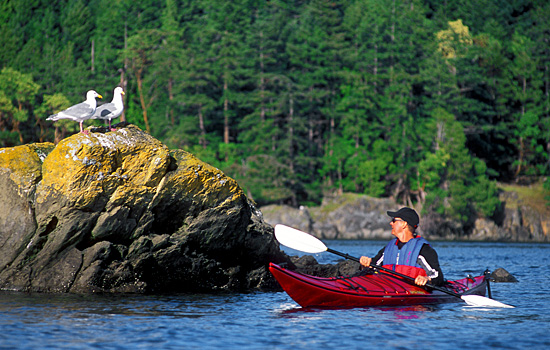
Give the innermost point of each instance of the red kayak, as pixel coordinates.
(379, 289)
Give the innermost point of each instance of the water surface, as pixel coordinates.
(274, 321)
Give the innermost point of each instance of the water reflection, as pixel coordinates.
(399, 312)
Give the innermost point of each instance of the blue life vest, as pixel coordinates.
(407, 255)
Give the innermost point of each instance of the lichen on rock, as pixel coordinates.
(120, 212)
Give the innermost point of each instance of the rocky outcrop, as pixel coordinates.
(348, 216)
(519, 222)
(362, 217)
(120, 212)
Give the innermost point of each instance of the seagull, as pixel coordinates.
(79, 112)
(111, 110)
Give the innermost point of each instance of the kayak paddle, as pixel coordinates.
(307, 243)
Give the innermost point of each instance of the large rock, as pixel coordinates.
(120, 212)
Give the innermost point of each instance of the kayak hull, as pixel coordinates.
(379, 289)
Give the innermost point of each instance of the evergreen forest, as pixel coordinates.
(430, 102)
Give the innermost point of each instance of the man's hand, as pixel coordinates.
(421, 280)
(365, 261)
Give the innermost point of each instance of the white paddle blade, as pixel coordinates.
(298, 240)
(481, 301)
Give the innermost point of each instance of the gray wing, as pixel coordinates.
(105, 111)
(78, 112)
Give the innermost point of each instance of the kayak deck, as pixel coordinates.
(379, 289)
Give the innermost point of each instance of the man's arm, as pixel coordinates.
(429, 261)
(377, 260)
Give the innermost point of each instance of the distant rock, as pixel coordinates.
(518, 222)
(298, 218)
(120, 212)
(501, 275)
(348, 216)
(308, 264)
(352, 216)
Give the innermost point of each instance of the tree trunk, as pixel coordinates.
(16, 129)
(142, 99)
(262, 80)
(202, 139)
(521, 150)
(123, 86)
(547, 111)
(124, 69)
(16, 123)
(225, 115)
(340, 178)
(171, 98)
(291, 134)
(93, 55)
(392, 36)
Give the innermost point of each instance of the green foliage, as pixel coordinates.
(17, 94)
(455, 182)
(425, 101)
(263, 178)
(52, 104)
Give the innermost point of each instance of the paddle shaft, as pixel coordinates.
(391, 272)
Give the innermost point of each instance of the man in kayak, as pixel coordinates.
(408, 253)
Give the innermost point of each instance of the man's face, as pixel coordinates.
(397, 226)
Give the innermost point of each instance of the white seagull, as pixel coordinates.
(81, 111)
(111, 110)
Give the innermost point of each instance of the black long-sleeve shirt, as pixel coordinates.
(427, 258)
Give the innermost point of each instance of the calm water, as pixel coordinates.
(274, 321)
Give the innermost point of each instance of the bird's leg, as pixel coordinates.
(111, 128)
(82, 130)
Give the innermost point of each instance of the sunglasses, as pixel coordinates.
(395, 220)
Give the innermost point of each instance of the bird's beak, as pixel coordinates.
(122, 92)
(98, 95)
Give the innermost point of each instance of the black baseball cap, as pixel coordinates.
(407, 214)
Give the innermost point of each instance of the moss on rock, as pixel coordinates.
(120, 212)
